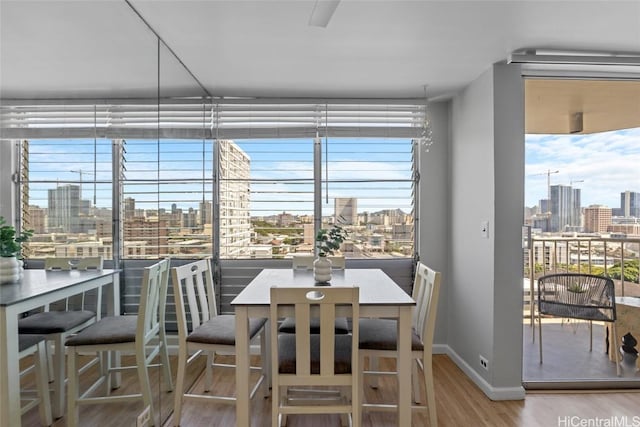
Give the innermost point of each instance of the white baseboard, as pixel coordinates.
(493, 393)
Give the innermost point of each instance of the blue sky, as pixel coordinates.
(608, 163)
(603, 165)
(282, 170)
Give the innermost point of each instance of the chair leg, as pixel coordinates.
(414, 381)
(105, 372)
(166, 367)
(373, 366)
(179, 390)
(208, 374)
(143, 376)
(72, 386)
(590, 335)
(50, 370)
(356, 407)
(275, 404)
(540, 336)
(263, 363)
(42, 383)
(427, 369)
(59, 378)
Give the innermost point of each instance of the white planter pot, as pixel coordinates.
(9, 270)
(322, 269)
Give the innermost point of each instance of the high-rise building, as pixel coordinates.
(597, 219)
(189, 219)
(204, 213)
(544, 206)
(630, 204)
(64, 208)
(36, 219)
(565, 208)
(129, 207)
(235, 216)
(346, 211)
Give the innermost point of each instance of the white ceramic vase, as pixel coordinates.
(9, 269)
(322, 270)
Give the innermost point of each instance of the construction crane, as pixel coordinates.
(548, 173)
(82, 171)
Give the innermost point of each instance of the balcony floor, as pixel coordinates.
(568, 363)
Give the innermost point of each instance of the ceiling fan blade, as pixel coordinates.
(322, 12)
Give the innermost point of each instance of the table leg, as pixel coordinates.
(9, 369)
(243, 415)
(404, 366)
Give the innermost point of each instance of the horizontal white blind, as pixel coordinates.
(167, 198)
(225, 119)
(270, 193)
(66, 191)
(369, 183)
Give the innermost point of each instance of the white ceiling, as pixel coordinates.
(389, 48)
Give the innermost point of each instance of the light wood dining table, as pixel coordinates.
(36, 289)
(380, 296)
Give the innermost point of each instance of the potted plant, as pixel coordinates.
(10, 247)
(327, 242)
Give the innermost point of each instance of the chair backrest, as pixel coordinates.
(80, 301)
(337, 262)
(302, 261)
(153, 300)
(578, 296)
(426, 292)
(318, 302)
(67, 263)
(195, 281)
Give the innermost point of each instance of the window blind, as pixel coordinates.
(239, 118)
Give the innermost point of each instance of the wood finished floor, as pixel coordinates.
(459, 403)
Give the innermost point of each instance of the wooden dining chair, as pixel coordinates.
(379, 338)
(202, 331)
(304, 359)
(34, 346)
(142, 335)
(62, 319)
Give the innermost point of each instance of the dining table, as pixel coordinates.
(380, 297)
(35, 289)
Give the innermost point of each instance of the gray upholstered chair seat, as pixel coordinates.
(222, 330)
(288, 325)
(287, 353)
(382, 334)
(53, 322)
(109, 330)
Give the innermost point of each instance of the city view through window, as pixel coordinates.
(582, 202)
(266, 196)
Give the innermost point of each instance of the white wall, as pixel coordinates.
(434, 210)
(509, 202)
(484, 301)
